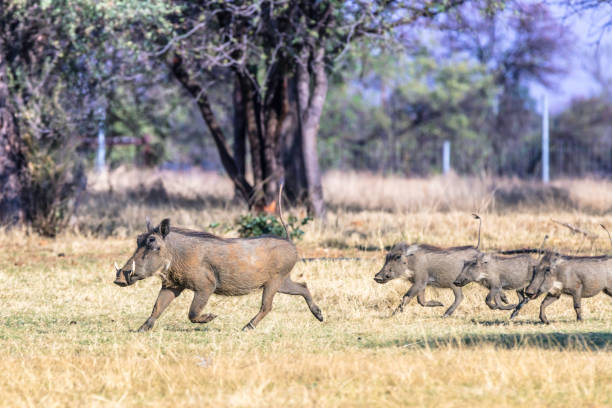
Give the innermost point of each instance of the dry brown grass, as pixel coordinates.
(453, 193)
(65, 330)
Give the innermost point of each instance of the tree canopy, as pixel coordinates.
(274, 91)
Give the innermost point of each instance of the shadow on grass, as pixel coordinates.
(340, 244)
(177, 329)
(582, 341)
(507, 322)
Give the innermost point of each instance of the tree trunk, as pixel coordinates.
(13, 166)
(264, 127)
(265, 124)
(296, 186)
(309, 124)
(276, 115)
(229, 164)
(251, 119)
(239, 130)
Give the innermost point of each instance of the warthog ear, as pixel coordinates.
(148, 222)
(164, 227)
(410, 249)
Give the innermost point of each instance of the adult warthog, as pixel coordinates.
(207, 264)
(577, 276)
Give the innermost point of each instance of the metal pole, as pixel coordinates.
(446, 157)
(101, 153)
(545, 141)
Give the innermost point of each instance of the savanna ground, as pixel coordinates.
(67, 339)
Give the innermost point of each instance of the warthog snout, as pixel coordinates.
(123, 276)
(382, 277)
(460, 282)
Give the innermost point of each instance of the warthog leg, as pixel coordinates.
(290, 287)
(200, 298)
(489, 300)
(523, 300)
(494, 300)
(270, 289)
(458, 298)
(500, 304)
(503, 297)
(412, 292)
(166, 295)
(430, 303)
(547, 301)
(520, 294)
(577, 296)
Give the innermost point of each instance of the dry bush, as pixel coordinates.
(366, 191)
(590, 195)
(117, 203)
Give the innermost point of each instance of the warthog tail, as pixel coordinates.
(280, 209)
(605, 229)
(479, 225)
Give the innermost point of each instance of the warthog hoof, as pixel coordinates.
(146, 326)
(203, 318)
(507, 307)
(317, 313)
(397, 310)
(208, 317)
(248, 327)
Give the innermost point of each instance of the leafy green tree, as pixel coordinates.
(276, 55)
(581, 137)
(50, 76)
(519, 44)
(402, 106)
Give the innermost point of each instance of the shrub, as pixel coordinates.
(250, 225)
(50, 133)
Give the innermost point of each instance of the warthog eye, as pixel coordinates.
(151, 243)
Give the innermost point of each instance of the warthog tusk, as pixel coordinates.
(117, 269)
(133, 267)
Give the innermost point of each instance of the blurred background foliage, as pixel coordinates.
(400, 79)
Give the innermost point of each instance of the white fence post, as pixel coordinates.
(101, 152)
(446, 146)
(545, 141)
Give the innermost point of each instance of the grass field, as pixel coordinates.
(66, 332)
